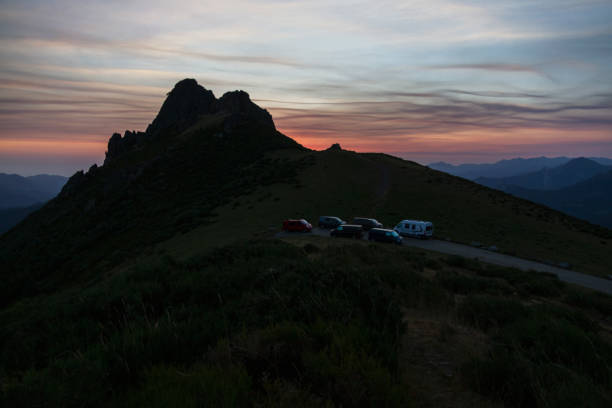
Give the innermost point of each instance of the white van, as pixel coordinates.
(414, 228)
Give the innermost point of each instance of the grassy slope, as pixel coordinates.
(348, 184)
(310, 322)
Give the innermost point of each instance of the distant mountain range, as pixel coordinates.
(579, 187)
(572, 172)
(19, 196)
(590, 200)
(19, 191)
(507, 168)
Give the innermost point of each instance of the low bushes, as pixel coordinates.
(270, 323)
(539, 354)
(327, 328)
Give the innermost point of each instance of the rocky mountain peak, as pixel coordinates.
(240, 107)
(184, 104)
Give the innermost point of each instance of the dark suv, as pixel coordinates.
(384, 235)
(367, 223)
(327, 221)
(349, 231)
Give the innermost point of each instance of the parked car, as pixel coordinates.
(297, 226)
(384, 235)
(348, 230)
(367, 223)
(414, 228)
(327, 221)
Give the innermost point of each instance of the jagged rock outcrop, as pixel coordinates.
(118, 145)
(334, 148)
(73, 183)
(241, 109)
(186, 103)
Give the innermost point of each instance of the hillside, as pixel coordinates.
(156, 280)
(18, 191)
(572, 172)
(351, 184)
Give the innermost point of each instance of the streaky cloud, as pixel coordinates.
(504, 67)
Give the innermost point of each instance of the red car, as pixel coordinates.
(297, 226)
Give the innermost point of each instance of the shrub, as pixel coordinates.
(547, 340)
(311, 248)
(484, 312)
(530, 282)
(199, 386)
(589, 300)
(462, 284)
(542, 361)
(503, 376)
(433, 264)
(462, 262)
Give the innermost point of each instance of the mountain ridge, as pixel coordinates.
(507, 167)
(19, 191)
(549, 178)
(590, 199)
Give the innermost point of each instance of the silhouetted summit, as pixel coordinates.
(241, 109)
(185, 105)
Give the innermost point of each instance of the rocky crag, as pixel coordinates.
(184, 106)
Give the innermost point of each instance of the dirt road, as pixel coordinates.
(581, 279)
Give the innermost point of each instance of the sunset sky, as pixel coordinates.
(459, 81)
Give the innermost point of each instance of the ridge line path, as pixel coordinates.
(452, 248)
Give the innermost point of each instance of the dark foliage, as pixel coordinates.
(251, 315)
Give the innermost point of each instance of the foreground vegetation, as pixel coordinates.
(309, 323)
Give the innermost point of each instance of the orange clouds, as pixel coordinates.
(54, 147)
(493, 143)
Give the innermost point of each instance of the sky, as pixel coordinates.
(459, 81)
